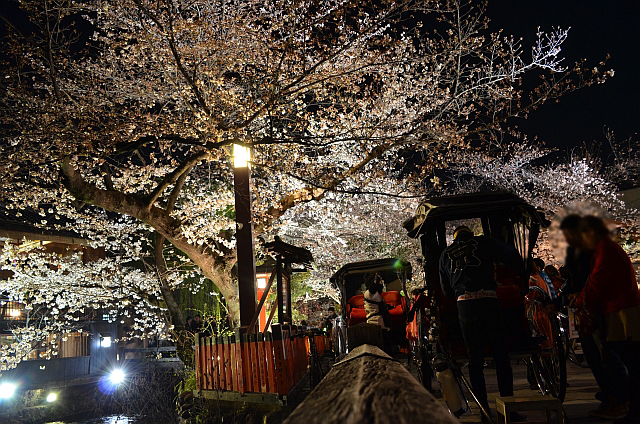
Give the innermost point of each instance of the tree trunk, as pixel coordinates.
(213, 266)
(177, 319)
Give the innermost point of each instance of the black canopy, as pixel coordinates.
(464, 206)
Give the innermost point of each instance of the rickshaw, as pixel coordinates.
(534, 333)
(351, 280)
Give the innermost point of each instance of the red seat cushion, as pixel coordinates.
(357, 301)
(357, 313)
(357, 316)
(392, 298)
(395, 299)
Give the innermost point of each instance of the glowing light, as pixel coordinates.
(105, 342)
(15, 313)
(241, 156)
(262, 283)
(7, 390)
(52, 397)
(117, 376)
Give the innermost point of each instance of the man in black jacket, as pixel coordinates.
(467, 272)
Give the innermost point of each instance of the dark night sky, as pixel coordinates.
(597, 28)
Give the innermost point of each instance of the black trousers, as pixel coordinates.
(629, 354)
(481, 321)
(606, 366)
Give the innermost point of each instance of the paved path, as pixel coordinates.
(579, 400)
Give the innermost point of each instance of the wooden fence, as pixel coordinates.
(35, 373)
(270, 362)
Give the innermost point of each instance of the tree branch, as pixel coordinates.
(172, 177)
(106, 175)
(173, 197)
(211, 263)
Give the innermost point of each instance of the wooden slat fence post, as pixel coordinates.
(279, 352)
(262, 363)
(271, 366)
(215, 356)
(233, 361)
(246, 362)
(198, 365)
(223, 359)
(255, 370)
(209, 361)
(289, 358)
(228, 369)
(240, 363)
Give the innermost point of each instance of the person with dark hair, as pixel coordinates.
(555, 277)
(563, 272)
(374, 303)
(551, 271)
(332, 325)
(328, 322)
(606, 366)
(196, 324)
(377, 310)
(189, 323)
(540, 279)
(612, 290)
(577, 260)
(467, 273)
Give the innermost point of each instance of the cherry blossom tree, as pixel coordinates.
(580, 183)
(119, 117)
(61, 293)
(550, 186)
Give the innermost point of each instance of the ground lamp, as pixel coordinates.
(117, 376)
(244, 233)
(7, 390)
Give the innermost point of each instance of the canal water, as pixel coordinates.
(111, 419)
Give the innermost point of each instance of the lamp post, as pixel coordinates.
(244, 234)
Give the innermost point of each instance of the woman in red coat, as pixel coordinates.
(612, 289)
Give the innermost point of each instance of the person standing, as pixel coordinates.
(606, 366)
(467, 273)
(329, 322)
(612, 289)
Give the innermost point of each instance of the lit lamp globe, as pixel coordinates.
(7, 390)
(241, 156)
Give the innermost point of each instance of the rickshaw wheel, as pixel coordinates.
(550, 365)
(423, 361)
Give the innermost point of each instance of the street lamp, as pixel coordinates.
(241, 156)
(244, 233)
(105, 339)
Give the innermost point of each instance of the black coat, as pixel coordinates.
(468, 264)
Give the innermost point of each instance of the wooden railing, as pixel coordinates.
(271, 362)
(368, 386)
